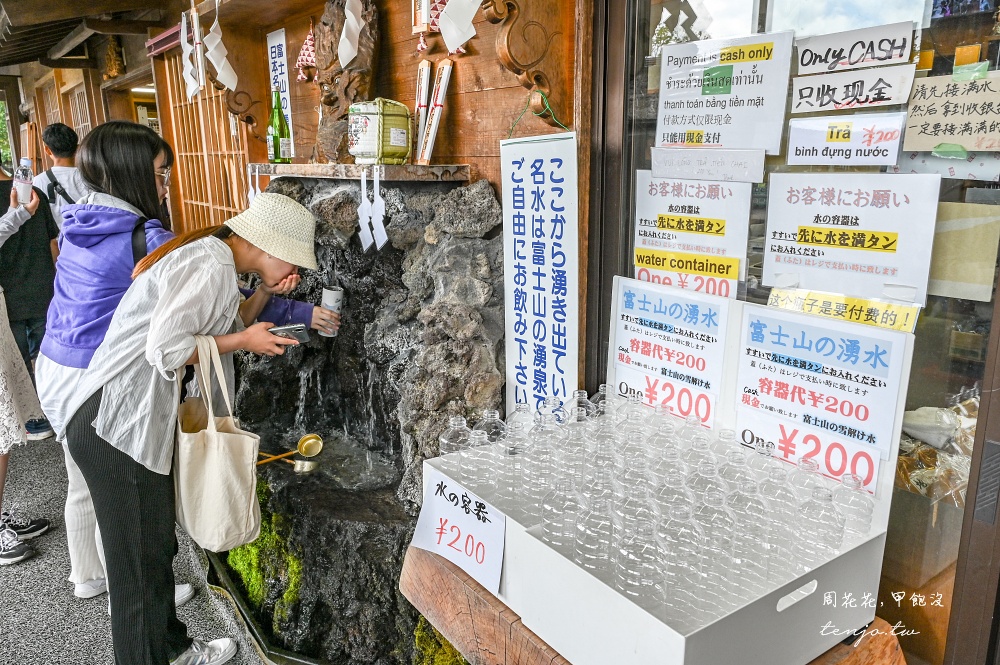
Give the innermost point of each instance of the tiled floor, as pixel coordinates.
(42, 622)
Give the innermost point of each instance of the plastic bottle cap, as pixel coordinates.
(25, 161)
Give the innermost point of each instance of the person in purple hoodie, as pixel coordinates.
(127, 168)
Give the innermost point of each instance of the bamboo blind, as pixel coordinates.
(210, 149)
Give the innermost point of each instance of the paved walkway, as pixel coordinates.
(42, 622)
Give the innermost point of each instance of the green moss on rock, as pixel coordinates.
(268, 562)
(432, 648)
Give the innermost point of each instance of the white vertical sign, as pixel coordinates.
(277, 65)
(541, 267)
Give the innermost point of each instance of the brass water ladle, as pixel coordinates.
(308, 446)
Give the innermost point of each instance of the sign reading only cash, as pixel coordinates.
(724, 93)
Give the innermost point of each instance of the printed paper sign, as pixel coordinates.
(724, 93)
(668, 346)
(975, 166)
(861, 89)
(869, 47)
(867, 312)
(462, 528)
(863, 139)
(716, 164)
(277, 64)
(837, 381)
(965, 113)
(691, 234)
(541, 278)
(870, 235)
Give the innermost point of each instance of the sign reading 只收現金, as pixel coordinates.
(724, 93)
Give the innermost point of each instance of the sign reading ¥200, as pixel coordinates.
(691, 234)
(724, 93)
(541, 267)
(820, 389)
(869, 138)
(668, 346)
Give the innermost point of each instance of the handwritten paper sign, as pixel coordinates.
(668, 346)
(820, 388)
(462, 528)
(861, 89)
(869, 47)
(965, 113)
(870, 235)
(680, 223)
(866, 311)
(724, 93)
(975, 166)
(541, 279)
(716, 164)
(871, 138)
(277, 65)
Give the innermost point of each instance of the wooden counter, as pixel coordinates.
(487, 632)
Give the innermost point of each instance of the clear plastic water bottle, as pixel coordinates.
(637, 568)
(856, 505)
(539, 472)
(681, 542)
(750, 552)
(782, 519)
(735, 469)
(492, 425)
(522, 414)
(631, 436)
(632, 406)
(477, 467)
(666, 462)
(511, 452)
(559, 508)
(805, 478)
(635, 477)
(22, 181)
(552, 406)
(820, 531)
(454, 439)
(724, 443)
(699, 450)
(576, 447)
(593, 537)
(692, 425)
(706, 480)
(580, 400)
(762, 460)
(718, 524)
(599, 400)
(672, 492)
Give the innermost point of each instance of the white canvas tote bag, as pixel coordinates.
(215, 473)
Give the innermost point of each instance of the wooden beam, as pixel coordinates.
(78, 36)
(69, 63)
(116, 27)
(33, 12)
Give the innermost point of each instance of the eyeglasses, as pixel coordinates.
(165, 174)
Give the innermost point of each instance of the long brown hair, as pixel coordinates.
(220, 231)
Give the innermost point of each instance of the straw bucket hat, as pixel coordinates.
(280, 226)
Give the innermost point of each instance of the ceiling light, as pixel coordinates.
(148, 91)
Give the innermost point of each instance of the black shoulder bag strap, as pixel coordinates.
(139, 250)
(55, 187)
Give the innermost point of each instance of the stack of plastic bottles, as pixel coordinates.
(688, 523)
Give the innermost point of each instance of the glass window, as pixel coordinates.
(953, 331)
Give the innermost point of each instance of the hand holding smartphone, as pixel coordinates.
(296, 331)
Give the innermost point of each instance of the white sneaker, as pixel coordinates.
(182, 594)
(91, 588)
(201, 652)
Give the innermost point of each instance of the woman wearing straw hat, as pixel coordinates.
(121, 424)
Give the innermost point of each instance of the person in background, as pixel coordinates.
(27, 270)
(126, 168)
(62, 183)
(18, 402)
(122, 417)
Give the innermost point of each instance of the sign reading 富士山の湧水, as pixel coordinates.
(541, 274)
(691, 234)
(724, 93)
(869, 235)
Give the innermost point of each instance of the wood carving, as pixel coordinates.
(342, 86)
(240, 104)
(525, 47)
(114, 64)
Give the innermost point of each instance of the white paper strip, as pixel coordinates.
(348, 47)
(378, 213)
(456, 23)
(216, 53)
(365, 213)
(188, 71)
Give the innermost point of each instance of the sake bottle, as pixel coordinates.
(279, 138)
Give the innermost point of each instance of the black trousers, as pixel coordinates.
(135, 511)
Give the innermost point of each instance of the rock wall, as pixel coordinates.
(421, 340)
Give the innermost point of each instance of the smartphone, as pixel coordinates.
(296, 331)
